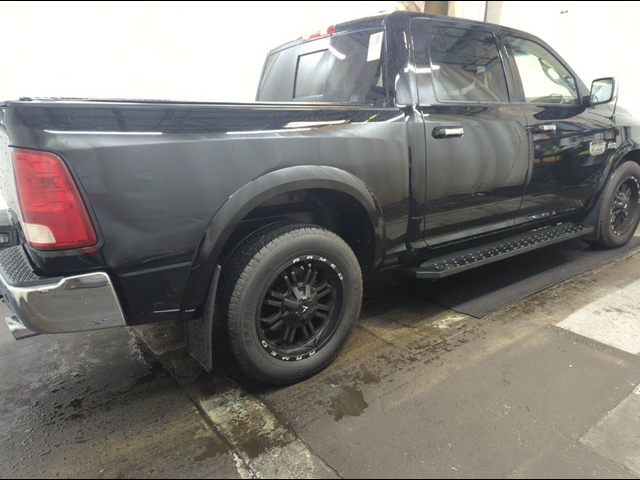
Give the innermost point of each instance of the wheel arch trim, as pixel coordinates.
(617, 159)
(253, 194)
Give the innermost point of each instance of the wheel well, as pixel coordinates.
(633, 155)
(334, 210)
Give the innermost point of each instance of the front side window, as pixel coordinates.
(544, 78)
(465, 65)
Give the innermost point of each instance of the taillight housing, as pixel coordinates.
(327, 32)
(54, 216)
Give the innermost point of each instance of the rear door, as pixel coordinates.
(568, 142)
(477, 146)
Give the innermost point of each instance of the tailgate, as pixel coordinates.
(8, 204)
(7, 193)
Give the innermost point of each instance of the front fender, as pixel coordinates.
(253, 194)
(592, 216)
(616, 160)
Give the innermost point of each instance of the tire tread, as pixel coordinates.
(238, 268)
(605, 240)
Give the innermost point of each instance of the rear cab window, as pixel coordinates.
(343, 68)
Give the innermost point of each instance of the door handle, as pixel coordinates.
(544, 128)
(448, 132)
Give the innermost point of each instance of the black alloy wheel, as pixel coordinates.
(625, 209)
(289, 299)
(619, 213)
(301, 308)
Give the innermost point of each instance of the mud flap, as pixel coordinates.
(199, 332)
(593, 219)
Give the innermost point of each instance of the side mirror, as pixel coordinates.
(603, 90)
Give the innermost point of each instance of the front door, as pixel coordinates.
(568, 142)
(476, 140)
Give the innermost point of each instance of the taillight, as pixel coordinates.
(53, 213)
(327, 32)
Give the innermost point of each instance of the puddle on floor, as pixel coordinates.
(349, 402)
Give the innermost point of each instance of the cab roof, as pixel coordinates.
(377, 21)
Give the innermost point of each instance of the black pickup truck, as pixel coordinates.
(426, 143)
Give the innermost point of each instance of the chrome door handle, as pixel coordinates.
(448, 132)
(548, 128)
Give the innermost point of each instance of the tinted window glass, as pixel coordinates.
(465, 65)
(276, 84)
(347, 69)
(313, 73)
(544, 78)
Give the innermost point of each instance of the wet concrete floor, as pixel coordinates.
(95, 406)
(420, 391)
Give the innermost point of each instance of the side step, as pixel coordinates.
(441, 267)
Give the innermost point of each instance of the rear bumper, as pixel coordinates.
(41, 305)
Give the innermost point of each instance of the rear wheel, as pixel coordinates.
(620, 210)
(291, 297)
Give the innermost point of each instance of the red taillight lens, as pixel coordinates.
(327, 32)
(53, 213)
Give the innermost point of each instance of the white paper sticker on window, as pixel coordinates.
(375, 47)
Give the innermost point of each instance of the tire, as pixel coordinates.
(275, 290)
(620, 208)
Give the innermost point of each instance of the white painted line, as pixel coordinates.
(612, 319)
(265, 447)
(243, 470)
(616, 437)
(449, 322)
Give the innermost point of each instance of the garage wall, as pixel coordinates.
(204, 51)
(469, 10)
(213, 51)
(598, 39)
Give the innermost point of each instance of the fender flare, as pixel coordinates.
(256, 192)
(593, 215)
(616, 159)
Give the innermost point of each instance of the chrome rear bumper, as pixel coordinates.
(17, 328)
(77, 303)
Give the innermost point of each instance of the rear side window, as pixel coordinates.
(347, 68)
(465, 64)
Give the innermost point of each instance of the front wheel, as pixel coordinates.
(620, 210)
(290, 300)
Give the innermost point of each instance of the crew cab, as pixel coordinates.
(407, 141)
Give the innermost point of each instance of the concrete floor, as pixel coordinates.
(547, 388)
(95, 406)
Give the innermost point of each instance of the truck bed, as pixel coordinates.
(153, 174)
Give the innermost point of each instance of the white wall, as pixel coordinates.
(205, 51)
(470, 10)
(598, 39)
(213, 51)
